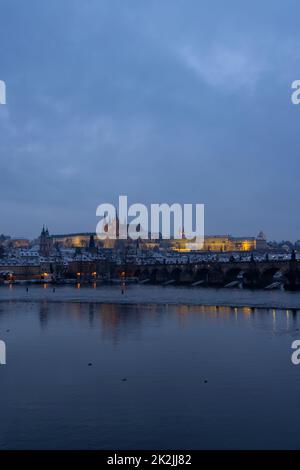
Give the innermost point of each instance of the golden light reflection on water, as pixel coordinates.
(117, 320)
(183, 309)
(215, 311)
(274, 319)
(287, 319)
(247, 311)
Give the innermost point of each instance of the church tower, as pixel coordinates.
(45, 243)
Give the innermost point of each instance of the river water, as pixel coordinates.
(170, 368)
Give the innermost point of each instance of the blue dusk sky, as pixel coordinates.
(183, 101)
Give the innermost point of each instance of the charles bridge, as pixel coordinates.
(252, 274)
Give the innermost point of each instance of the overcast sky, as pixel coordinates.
(162, 100)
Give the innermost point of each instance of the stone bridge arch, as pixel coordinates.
(201, 274)
(163, 274)
(144, 274)
(292, 279)
(231, 274)
(176, 275)
(267, 275)
(251, 277)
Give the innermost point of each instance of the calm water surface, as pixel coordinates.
(198, 377)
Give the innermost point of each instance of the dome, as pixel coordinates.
(261, 236)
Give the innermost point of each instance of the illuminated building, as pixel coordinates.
(19, 242)
(216, 243)
(73, 240)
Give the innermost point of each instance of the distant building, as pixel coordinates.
(73, 240)
(261, 241)
(19, 243)
(229, 243)
(218, 243)
(45, 243)
(214, 243)
(90, 239)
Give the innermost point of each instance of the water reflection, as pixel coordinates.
(91, 314)
(44, 315)
(50, 397)
(117, 321)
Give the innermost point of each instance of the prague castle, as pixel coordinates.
(215, 243)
